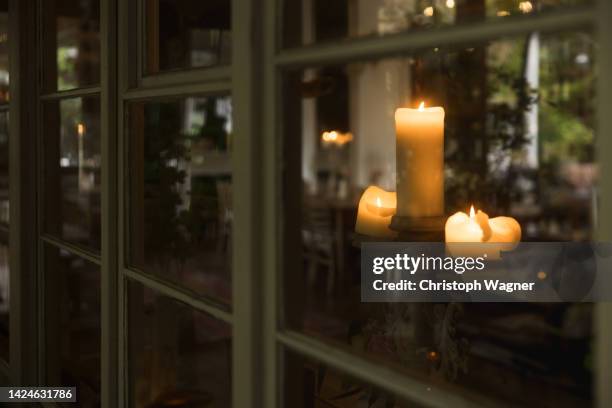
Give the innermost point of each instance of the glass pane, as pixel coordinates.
(4, 295)
(71, 44)
(72, 324)
(178, 356)
(4, 168)
(180, 192)
(307, 383)
(187, 34)
(4, 52)
(4, 237)
(518, 140)
(71, 139)
(315, 21)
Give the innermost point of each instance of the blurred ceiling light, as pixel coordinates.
(525, 6)
(503, 13)
(336, 138)
(428, 11)
(450, 3)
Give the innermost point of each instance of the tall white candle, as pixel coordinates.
(420, 161)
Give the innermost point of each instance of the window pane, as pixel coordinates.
(307, 383)
(4, 168)
(72, 324)
(71, 139)
(177, 356)
(4, 237)
(4, 52)
(180, 192)
(4, 295)
(519, 140)
(314, 21)
(186, 34)
(71, 44)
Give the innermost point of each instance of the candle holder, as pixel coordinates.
(418, 229)
(359, 239)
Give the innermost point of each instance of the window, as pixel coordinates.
(176, 188)
(70, 180)
(4, 186)
(510, 96)
(184, 186)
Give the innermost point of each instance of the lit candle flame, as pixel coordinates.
(378, 203)
(80, 129)
(472, 213)
(422, 107)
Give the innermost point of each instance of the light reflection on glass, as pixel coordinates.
(72, 170)
(315, 21)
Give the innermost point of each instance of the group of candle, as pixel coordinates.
(420, 187)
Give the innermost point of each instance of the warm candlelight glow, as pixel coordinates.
(503, 13)
(450, 3)
(525, 6)
(429, 11)
(422, 107)
(336, 138)
(479, 228)
(81, 129)
(376, 207)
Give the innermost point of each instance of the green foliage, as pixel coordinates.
(174, 227)
(564, 137)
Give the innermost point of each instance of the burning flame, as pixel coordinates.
(472, 213)
(378, 203)
(80, 129)
(422, 107)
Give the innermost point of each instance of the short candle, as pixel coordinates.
(505, 232)
(376, 207)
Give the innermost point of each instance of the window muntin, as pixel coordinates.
(316, 21)
(508, 150)
(180, 192)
